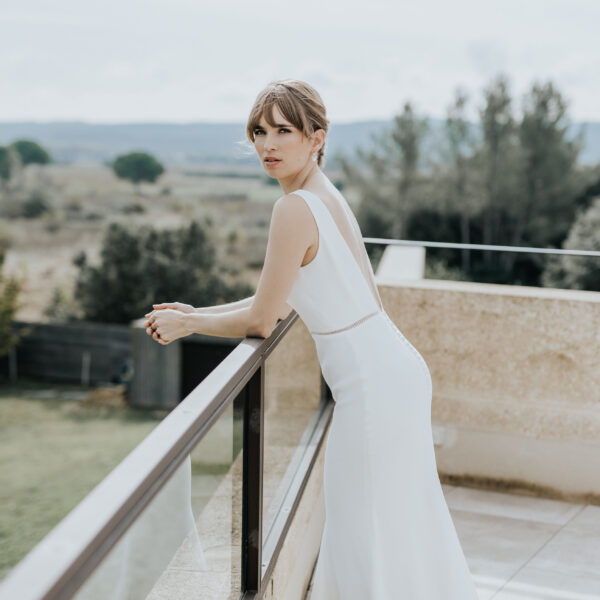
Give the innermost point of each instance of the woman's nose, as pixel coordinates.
(270, 142)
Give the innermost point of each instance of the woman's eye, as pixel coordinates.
(260, 131)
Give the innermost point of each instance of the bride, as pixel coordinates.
(388, 531)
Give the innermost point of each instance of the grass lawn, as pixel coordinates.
(54, 450)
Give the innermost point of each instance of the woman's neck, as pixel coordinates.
(301, 179)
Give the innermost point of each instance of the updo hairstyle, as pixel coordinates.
(299, 103)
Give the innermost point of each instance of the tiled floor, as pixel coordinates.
(523, 548)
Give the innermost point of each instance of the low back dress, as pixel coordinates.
(388, 532)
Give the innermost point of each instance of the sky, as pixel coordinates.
(206, 60)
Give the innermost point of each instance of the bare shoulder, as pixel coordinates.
(294, 218)
(293, 198)
(293, 206)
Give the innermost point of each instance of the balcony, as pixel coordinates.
(224, 498)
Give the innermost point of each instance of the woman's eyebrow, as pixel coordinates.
(276, 125)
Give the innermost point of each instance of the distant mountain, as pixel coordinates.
(218, 144)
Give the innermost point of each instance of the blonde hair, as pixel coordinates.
(299, 103)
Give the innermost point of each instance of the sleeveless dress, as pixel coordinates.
(388, 532)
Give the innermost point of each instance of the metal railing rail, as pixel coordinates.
(392, 242)
(64, 559)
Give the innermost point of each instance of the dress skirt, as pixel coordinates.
(388, 532)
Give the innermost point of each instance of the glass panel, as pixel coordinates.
(58, 441)
(187, 541)
(292, 396)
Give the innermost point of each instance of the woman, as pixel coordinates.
(388, 532)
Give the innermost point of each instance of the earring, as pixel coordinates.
(315, 157)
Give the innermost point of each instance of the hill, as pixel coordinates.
(213, 144)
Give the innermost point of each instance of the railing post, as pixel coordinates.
(252, 488)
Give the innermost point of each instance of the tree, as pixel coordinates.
(407, 136)
(16, 156)
(136, 167)
(4, 164)
(31, 153)
(548, 171)
(499, 160)
(515, 184)
(144, 266)
(591, 190)
(390, 188)
(578, 272)
(10, 288)
(376, 210)
(460, 151)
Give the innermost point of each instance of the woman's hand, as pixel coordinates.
(166, 325)
(185, 308)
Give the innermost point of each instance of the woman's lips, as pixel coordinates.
(272, 163)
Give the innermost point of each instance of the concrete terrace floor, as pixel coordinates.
(526, 548)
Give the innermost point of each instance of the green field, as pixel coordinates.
(54, 450)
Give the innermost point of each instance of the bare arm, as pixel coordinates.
(285, 310)
(258, 315)
(289, 238)
(232, 323)
(221, 308)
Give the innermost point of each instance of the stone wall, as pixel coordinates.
(516, 381)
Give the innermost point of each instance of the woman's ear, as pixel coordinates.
(319, 142)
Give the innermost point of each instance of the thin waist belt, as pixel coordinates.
(362, 319)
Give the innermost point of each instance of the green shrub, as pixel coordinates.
(35, 205)
(31, 152)
(4, 164)
(143, 266)
(61, 306)
(436, 268)
(137, 166)
(134, 208)
(10, 288)
(578, 272)
(74, 205)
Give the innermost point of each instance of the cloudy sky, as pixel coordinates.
(205, 60)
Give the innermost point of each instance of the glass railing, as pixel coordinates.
(202, 506)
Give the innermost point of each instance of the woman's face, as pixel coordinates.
(283, 142)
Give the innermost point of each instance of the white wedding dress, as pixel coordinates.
(388, 532)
